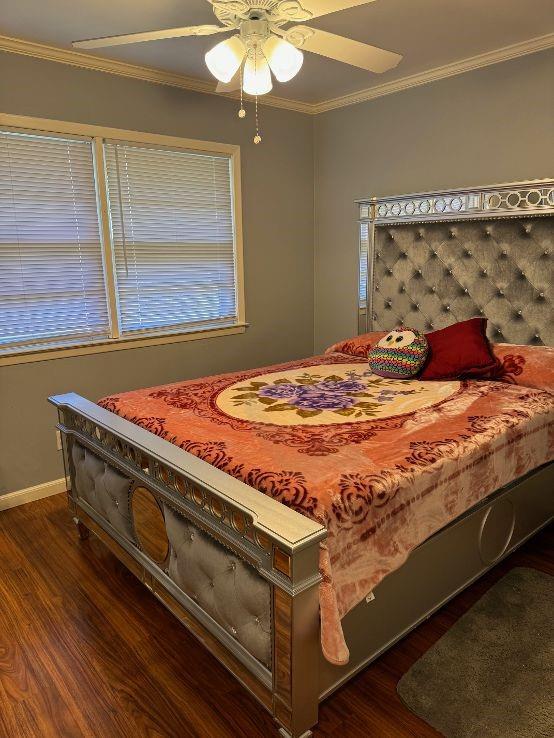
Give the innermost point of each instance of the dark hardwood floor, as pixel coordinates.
(77, 661)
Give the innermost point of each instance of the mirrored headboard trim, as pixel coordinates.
(439, 255)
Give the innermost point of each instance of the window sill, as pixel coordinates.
(119, 344)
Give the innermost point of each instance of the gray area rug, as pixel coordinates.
(492, 674)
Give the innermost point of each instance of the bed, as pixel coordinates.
(299, 519)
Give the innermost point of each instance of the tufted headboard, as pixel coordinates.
(432, 259)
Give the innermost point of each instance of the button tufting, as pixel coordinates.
(429, 325)
(541, 295)
(212, 585)
(447, 308)
(481, 312)
(546, 252)
(519, 313)
(233, 565)
(419, 272)
(191, 536)
(504, 252)
(257, 620)
(500, 293)
(391, 236)
(402, 289)
(449, 271)
(466, 291)
(468, 252)
(484, 272)
(233, 630)
(434, 253)
(522, 275)
(389, 271)
(527, 229)
(452, 233)
(488, 232)
(433, 288)
(537, 337)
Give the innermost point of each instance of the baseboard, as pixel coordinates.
(31, 494)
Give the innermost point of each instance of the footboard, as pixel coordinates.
(238, 568)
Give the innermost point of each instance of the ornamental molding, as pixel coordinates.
(158, 76)
(534, 197)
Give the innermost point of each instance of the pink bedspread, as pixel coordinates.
(382, 463)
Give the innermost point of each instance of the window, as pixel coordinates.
(172, 225)
(107, 242)
(51, 276)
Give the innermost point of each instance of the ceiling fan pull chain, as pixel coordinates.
(257, 137)
(242, 111)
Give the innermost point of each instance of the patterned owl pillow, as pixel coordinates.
(399, 355)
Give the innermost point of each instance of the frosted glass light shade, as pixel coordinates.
(284, 59)
(224, 59)
(256, 78)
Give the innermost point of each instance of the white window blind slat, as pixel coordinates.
(51, 274)
(364, 255)
(173, 237)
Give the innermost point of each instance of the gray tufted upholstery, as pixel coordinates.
(104, 488)
(224, 586)
(429, 275)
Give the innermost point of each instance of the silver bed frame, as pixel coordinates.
(109, 460)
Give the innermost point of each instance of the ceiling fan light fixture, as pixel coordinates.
(284, 59)
(256, 77)
(224, 60)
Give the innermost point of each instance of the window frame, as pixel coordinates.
(99, 135)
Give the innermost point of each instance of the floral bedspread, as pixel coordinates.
(382, 463)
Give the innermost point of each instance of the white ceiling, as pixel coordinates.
(428, 33)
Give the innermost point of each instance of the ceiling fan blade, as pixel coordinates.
(133, 38)
(324, 7)
(231, 86)
(343, 49)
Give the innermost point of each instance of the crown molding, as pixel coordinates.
(540, 43)
(172, 79)
(135, 71)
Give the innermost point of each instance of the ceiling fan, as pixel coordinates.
(263, 46)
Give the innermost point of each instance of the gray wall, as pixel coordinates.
(277, 186)
(491, 125)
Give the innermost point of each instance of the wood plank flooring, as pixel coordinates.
(77, 662)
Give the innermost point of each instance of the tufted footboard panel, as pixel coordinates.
(225, 587)
(104, 488)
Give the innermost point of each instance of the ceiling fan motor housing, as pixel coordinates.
(254, 32)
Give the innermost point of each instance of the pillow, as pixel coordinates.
(399, 355)
(459, 350)
(528, 366)
(357, 346)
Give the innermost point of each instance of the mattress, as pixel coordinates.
(382, 463)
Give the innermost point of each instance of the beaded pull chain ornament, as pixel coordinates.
(242, 111)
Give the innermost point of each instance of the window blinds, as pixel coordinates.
(173, 237)
(363, 273)
(51, 276)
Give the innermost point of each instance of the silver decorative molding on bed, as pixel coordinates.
(430, 259)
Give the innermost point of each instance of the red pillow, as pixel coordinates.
(357, 346)
(460, 350)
